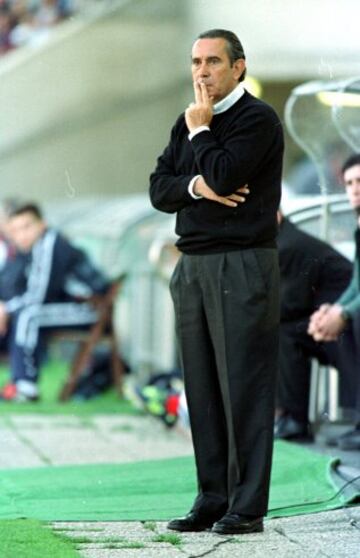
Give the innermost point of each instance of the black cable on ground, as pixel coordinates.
(348, 483)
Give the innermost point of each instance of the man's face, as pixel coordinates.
(352, 185)
(210, 63)
(24, 230)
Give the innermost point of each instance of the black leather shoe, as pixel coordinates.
(235, 524)
(193, 521)
(287, 428)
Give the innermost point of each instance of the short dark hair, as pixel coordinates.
(351, 161)
(7, 206)
(233, 45)
(27, 208)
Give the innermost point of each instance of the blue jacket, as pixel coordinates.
(43, 275)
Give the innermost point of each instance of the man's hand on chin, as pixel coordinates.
(199, 113)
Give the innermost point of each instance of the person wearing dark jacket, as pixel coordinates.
(45, 266)
(311, 273)
(341, 319)
(225, 285)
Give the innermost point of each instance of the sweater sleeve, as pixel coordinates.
(84, 275)
(335, 274)
(229, 165)
(169, 190)
(350, 298)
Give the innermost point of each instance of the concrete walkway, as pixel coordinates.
(331, 534)
(35, 440)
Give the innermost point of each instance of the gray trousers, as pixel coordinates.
(26, 341)
(227, 321)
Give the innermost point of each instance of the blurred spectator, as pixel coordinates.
(5, 29)
(39, 299)
(47, 14)
(311, 273)
(23, 28)
(30, 21)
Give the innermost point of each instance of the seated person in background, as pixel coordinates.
(311, 272)
(37, 299)
(341, 320)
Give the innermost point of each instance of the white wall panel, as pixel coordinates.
(288, 39)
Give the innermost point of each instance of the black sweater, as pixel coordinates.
(244, 146)
(311, 273)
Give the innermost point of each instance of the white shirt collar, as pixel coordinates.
(229, 100)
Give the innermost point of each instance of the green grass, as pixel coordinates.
(28, 538)
(81, 539)
(52, 378)
(129, 544)
(77, 529)
(112, 539)
(150, 525)
(106, 542)
(173, 539)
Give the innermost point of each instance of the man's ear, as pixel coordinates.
(238, 68)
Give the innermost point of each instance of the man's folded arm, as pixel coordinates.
(225, 166)
(170, 192)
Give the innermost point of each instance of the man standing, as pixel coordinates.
(225, 286)
(342, 319)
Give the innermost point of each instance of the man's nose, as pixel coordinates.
(203, 70)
